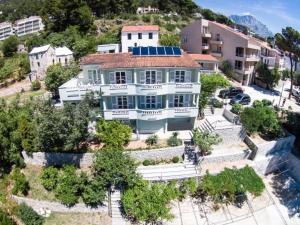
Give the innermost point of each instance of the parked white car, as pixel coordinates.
(296, 92)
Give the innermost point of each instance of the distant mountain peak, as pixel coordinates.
(252, 23)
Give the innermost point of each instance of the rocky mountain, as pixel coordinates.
(253, 24)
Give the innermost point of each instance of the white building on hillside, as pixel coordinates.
(6, 29)
(30, 25)
(42, 57)
(108, 48)
(146, 10)
(139, 36)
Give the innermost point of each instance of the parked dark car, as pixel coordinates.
(242, 99)
(231, 92)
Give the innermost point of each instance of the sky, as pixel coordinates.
(276, 14)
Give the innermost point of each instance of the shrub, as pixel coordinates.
(156, 20)
(174, 140)
(152, 140)
(146, 162)
(5, 219)
(35, 85)
(217, 104)
(49, 178)
(170, 27)
(266, 102)
(205, 141)
(169, 40)
(237, 108)
(21, 185)
(175, 159)
(94, 192)
(227, 68)
(29, 216)
(146, 18)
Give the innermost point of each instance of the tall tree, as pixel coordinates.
(289, 41)
(10, 46)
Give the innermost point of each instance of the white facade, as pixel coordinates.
(137, 36)
(42, 57)
(30, 25)
(6, 29)
(146, 10)
(109, 48)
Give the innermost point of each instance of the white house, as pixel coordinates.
(146, 10)
(42, 57)
(108, 48)
(139, 36)
(6, 29)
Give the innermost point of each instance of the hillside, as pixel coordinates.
(253, 24)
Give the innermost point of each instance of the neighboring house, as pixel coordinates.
(42, 57)
(208, 63)
(63, 55)
(108, 48)
(225, 43)
(157, 92)
(146, 10)
(6, 30)
(30, 25)
(136, 36)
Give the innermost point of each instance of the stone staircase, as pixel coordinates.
(206, 126)
(207, 111)
(116, 215)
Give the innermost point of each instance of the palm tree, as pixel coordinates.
(289, 41)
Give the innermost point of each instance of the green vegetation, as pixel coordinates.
(57, 75)
(174, 140)
(237, 108)
(205, 141)
(227, 68)
(35, 85)
(29, 216)
(20, 185)
(152, 140)
(262, 119)
(210, 15)
(270, 78)
(175, 159)
(169, 40)
(49, 178)
(5, 219)
(231, 184)
(209, 84)
(113, 133)
(217, 104)
(10, 46)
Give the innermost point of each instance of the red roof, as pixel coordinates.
(127, 60)
(203, 57)
(140, 28)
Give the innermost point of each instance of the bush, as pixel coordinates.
(217, 104)
(49, 178)
(170, 27)
(152, 140)
(175, 159)
(94, 192)
(205, 141)
(236, 108)
(35, 85)
(227, 68)
(146, 18)
(169, 40)
(156, 20)
(146, 162)
(174, 140)
(5, 219)
(21, 185)
(29, 216)
(266, 102)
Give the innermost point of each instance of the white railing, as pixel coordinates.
(151, 86)
(117, 112)
(182, 110)
(183, 85)
(118, 86)
(151, 112)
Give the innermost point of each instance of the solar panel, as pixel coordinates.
(169, 51)
(144, 51)
(136, 51)
(152, 51)
(176, 51)
(161, 51)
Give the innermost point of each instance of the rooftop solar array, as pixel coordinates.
(156, 51)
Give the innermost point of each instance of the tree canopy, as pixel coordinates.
(269, 77)
(10, 46)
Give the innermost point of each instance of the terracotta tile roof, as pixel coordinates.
(126, 60)
(203, 57)
(140, 28)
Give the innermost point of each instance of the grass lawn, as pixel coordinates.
(78, 219)
(25, 95)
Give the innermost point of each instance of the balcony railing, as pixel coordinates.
(118, 86)
(151, 86)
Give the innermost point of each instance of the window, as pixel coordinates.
(129, 36)
(38, 63)
(151, 77)
(179, 101)
(135, 44)
(140, 35)
(179, 76)
(66, 61)
(59, 60)
(111, 51)
(120, 78)
(239, 52)
(94, 77)
(150, 35)
(53, 61)
(218, 37)
(151, 102)
(36, 56)
(238, 65)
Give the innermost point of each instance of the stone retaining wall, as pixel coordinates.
(226, 157)
(38, 205)
(86, 159)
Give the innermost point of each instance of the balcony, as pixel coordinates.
(252, 58)
(193, 88)
(151, 89)
(216, 53)
(117, 89)
(205, 46)
(150, 114)
(216, 42)
(206, 34)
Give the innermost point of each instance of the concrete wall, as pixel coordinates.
(226, 157)
(38, 205)
(233, 134)
(86, 159)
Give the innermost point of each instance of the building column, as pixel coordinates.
(135, 76)
(197, 100)
(102, 78)
(198, 77)
(167, 102)
(136, 102)
(104, 103)
(167, 76)
(166, 126)
(137, 129)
